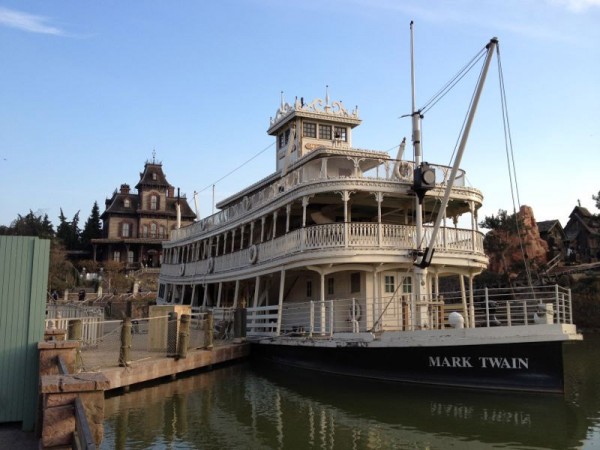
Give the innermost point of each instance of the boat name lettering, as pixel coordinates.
(484, 362)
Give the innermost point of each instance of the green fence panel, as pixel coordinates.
(23, 285)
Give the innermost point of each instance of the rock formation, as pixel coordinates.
(506, 250)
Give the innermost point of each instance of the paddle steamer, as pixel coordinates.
(338, 258)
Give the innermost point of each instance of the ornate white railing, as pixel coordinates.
(313, 172)
(335, 235)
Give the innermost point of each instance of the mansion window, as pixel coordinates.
(310, 129)
(125, 230)
(154, 202)
(153, 230)
(163, 232)
(325, 132)
(129, 256)
(126, 203)
(341, 133)
(154, 176)
(117, 256)
(145, 231)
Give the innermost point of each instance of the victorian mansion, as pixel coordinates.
(136, 224)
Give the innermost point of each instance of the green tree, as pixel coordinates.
(62, 274)
(597, 199)
(69, 232)
(30, 225)
(92, 228)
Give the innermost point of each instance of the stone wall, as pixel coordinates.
(58, 393)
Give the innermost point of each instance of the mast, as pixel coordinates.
(420, 273)
(416, 136)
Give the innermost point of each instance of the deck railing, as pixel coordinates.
(492, 307)
(311, 174)
(337, 235)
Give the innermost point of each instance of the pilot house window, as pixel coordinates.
(325, 132)
(340, 133)
(310, 129)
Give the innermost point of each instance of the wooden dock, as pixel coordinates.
(156, 368)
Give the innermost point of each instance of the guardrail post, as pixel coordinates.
(184, 336)
(172, 335)
(312, 318)
(570, 307)
(76, 334)
(75, 330)
(208, 330)
(487, 308)
(124, 354)
(508, 317)
(330, 317)
(239, 323)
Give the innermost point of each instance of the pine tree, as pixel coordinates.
(68, 232)
(92, 228)
(31, 225)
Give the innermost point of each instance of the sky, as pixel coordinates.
(90, 91)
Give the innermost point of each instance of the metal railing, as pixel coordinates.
(522, 306)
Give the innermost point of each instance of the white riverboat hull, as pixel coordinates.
(484, 358)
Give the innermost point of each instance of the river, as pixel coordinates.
(245, 407)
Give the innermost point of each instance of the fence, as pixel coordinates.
(144, 338)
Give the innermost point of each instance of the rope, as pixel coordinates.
(237, 168)
(512, 171)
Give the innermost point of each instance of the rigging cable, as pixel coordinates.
(463, 72)
(237, 168)
(452, 82)
(512, 171)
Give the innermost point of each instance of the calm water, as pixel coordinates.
(242, 407)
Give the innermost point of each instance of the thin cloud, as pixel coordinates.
(27, 22)
(578, 6)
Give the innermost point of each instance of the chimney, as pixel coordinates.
(124, 189)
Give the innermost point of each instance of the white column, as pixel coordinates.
(323, 310)
(280, 309)
(275, 214)
(304, 205)
(205, 296)
(471, 301)
(345, 198)
(236, 293)
(288, 210)
(473, 224)
(262, 228)
(379, 200)
(251, 233)
(256, 292)
(219, 295)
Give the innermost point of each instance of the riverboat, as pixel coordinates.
(338, 259)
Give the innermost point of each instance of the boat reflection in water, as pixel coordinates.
(246, 407)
